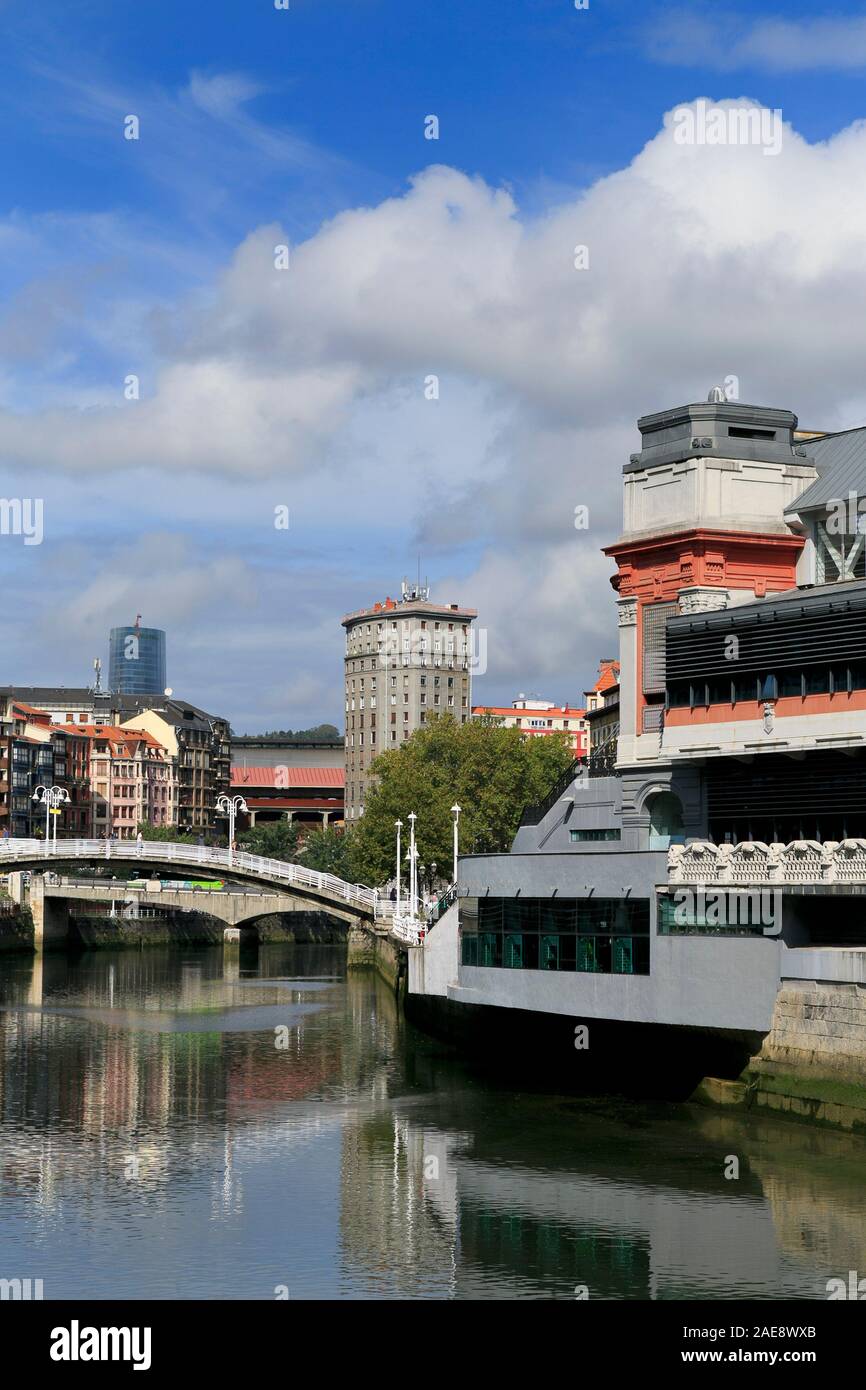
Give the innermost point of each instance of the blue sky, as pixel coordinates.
(408, 257)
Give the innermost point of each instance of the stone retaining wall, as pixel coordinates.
(818, 1029)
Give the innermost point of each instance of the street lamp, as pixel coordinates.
(413, 857)
(399, 826)
(455, 811)
(53, 798)
(412, 861)
(229, 806)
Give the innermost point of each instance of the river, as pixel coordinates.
(184, 1124)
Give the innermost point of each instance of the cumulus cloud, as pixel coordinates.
(161, 572)
(703, 262)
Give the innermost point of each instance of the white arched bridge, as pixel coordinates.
(320, 890)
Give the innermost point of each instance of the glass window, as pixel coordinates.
(745, 688)
(602, 936)
(719, 690)
(817, 680)
(839, 678)
(769, 688)
(513, 951)
(548, 958)
(791, 683)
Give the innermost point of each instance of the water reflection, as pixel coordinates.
(194, 1125)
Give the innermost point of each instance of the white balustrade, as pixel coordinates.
(160, 851)
(802, 862)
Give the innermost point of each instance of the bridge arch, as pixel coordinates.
(351, 901)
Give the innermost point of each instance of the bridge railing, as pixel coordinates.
(162, 852)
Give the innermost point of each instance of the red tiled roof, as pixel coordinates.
(295, 803)
(112, 734)
(289, 777)
(31, 709)
(557, 712)
(608, 675)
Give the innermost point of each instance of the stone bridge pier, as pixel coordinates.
(50, 916)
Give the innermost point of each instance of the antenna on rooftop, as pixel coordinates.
(97, 666)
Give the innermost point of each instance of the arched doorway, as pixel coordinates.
(665, 821)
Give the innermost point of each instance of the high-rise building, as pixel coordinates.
(136, 660)
(406, 660)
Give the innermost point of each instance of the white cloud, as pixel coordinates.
(705, 261)
(222, 94)
(727, 41)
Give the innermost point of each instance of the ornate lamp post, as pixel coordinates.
(229, 806)
(413, 866)
(399, 826)
(455, 811)
(53, 798)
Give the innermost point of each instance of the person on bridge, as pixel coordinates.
(6, 837)
(139, 840)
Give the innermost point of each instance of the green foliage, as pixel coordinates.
(327, 851)
(322, 733)
(488, 769)
(162, 832)
(272, 839)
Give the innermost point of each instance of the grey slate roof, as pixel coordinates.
(841, 463)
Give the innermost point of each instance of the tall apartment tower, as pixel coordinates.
(136, 660)
(407, 659)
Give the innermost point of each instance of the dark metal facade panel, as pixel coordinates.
(841, 463)
(825, 783)
(785, 638)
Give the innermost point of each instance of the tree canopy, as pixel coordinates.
(488, 769)
(271, 839)
(327, 851)
(322, 733)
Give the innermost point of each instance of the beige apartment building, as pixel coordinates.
(407, 660)
(132, 779)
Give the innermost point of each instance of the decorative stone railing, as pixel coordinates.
(753, 862)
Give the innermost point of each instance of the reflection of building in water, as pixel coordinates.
(129, 1073)
(812, 1181)
(426, 1212)
(398, 1208)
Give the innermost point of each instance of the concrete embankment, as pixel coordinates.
(16, 927)
(372, 951)
(812, 1063)
(199, 929)
(51, 927)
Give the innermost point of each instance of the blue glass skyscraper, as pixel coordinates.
(136, 661)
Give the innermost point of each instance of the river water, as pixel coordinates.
(184, 1124)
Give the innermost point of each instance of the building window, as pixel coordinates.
(580, 836)
(607, 936)
(653, 619)
(711, 913)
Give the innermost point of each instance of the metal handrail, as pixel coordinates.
(534, 815)
(168, 852)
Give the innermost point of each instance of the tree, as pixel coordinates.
(321, 733)
(272, 840)
(486, 767)
(162, 832)
(326, 850)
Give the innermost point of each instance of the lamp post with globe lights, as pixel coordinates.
(229, 806)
